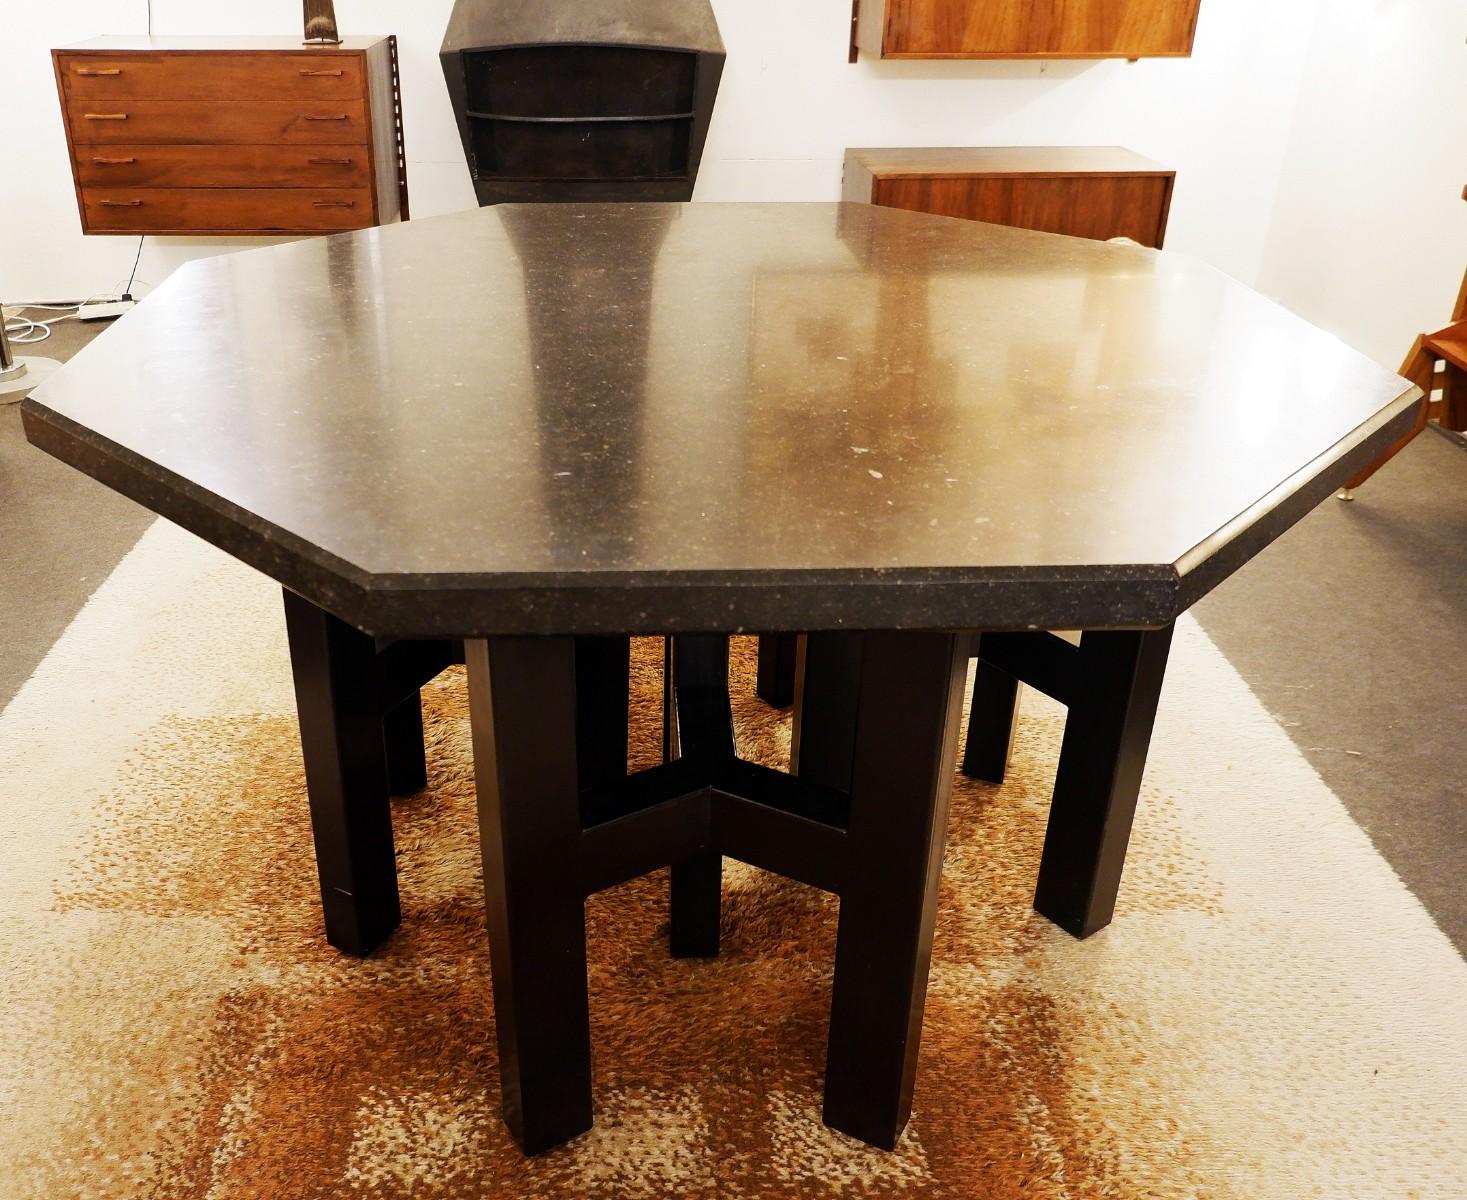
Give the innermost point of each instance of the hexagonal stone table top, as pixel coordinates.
(658, 418)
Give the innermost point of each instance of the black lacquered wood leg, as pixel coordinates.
(522, 698)
(603, 666)
(1102, 757)
(823, 735)
(695, 899)
(407, 759)
(669, 708)
(907, 717)
(774, 682)
(345, 756)
(695, 902)
(990, 723)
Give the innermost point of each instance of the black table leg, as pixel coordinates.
(522, 698)
(345, 755)
(699, 674)
(603, 666)
(823, 733)
(1112, 709)
(407, 759)
(907, 713)
(990, 723)
(695, 902)
(774, 682)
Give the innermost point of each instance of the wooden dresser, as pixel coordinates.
(233, 135)
(1084, 191)
(1024, 28)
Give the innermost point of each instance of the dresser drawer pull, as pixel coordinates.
(92, 72)
(120, 203)
(322, 74)
(104, 116)
(334, 203)
(114, 162)
(342, 117)
(330, 162)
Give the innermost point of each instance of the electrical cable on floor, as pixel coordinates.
(29, 331)
(21, 335)
(127, 291)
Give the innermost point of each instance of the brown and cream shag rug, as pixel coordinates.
(1271, 1015)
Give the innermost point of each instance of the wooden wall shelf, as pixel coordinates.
(233, 135)
(1084, 191)
(1024, 28)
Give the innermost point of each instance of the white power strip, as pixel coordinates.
(104, 311)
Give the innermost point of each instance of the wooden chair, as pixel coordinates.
(1437, 364)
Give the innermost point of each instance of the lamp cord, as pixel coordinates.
(127, 291)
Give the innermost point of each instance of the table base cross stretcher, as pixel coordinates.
(862, 813)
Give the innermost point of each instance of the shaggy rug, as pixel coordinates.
(1271, 1014)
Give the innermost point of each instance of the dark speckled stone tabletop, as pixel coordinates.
(595, 419)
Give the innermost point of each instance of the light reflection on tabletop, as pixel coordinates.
(720, 388)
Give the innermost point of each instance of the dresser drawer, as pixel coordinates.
(211, 76)
(222, 210)
(191, 122)
(224, 166)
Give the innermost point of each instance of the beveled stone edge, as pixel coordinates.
(1213, 559)
(1122, 596)
(1116, 596)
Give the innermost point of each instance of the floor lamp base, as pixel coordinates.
(26, 374)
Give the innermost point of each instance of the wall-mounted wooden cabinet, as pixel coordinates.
(1083, 191)
(1026, 28)
(233, 135)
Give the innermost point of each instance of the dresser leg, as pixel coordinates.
(522, 701)
(990, 723)
(345, 755)
(910, 696)
(1102, 757)
(407, 759)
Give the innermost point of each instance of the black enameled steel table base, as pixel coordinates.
(361, 723)
(862, 813)
(1111, 683)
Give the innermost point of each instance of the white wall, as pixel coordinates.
(789, 106)
(1369, 238)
